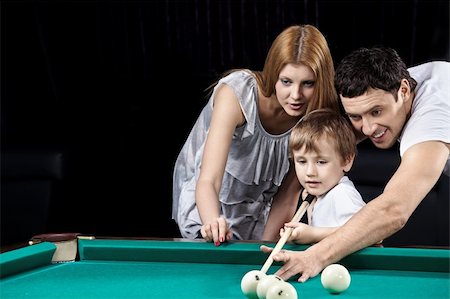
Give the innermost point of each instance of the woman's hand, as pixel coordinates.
(216, 231)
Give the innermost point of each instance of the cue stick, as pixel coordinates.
(288, 231)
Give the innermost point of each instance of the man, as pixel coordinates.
(386, 102)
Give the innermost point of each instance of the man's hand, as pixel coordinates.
(296, 262)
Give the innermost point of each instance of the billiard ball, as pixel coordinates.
(265, 283)
(281, 289)
(250, 281)
(335, 278)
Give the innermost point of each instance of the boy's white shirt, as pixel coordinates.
(335, 207)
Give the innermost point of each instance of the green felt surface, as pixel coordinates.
(140, 269)
(26, 258)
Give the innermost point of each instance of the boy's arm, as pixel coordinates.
(307, 234)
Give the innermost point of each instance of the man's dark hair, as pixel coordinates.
(377, 68)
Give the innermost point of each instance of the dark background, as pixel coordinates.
(98, 97)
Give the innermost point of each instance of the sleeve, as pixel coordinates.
(244, 86)
(347, 201)
(431, 107)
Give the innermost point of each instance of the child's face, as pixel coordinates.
(318, 172)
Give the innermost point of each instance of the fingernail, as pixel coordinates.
(217, 243)
(221, 239)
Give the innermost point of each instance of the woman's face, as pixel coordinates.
(295, 88)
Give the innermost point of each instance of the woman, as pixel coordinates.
(234, 167)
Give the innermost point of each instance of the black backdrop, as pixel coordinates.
(116, 85)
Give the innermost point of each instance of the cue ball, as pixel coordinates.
(250, 281)
(281, 289)
(265, 283)
(335, 278)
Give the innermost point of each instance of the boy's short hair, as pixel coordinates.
(324, 123)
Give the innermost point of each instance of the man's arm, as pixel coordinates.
(419, 170)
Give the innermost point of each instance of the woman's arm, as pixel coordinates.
(284, 206)
(226, 116)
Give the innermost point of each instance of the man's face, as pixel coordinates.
(378, 115)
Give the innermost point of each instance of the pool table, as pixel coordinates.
(122, 268)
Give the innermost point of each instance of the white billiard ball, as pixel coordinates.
(281, 289)
(335, 278)
(265, 283)
(250, 281)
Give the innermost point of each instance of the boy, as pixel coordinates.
(323, 148)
